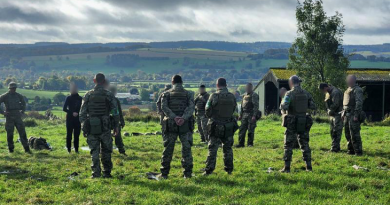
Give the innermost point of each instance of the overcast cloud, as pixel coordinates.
(75, 21)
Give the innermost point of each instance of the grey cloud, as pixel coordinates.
(15, 14)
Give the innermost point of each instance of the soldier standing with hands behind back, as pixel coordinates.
(249, 110)
(200, 112)
(352, 115)
(296, 104)
(15, 106)
(98, 105)
(178, 107)
(334, 105)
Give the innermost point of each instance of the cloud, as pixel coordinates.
(26, 21)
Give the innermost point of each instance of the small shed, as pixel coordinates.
(376, 83)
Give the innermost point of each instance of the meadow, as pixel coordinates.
(96, 63)
(45, 177)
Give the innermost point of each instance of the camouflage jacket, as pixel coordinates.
(356, 93)
(13, 102)
(213, 101)
(112, 105)
(255, 102)
(188, 112)
(285, 106)
(334, 101)
(201, 99)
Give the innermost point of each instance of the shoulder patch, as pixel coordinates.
(286, 99)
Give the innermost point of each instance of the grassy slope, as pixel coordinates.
(43, 177)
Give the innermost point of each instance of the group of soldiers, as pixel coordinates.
(102, 119)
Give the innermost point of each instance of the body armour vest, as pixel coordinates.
(247, 104)
(224, 108)
(299, 103)
(98, 105)
(13, 102)
(201, 103)
(178, 101)
(349, 98)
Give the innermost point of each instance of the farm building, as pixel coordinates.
(375, 81)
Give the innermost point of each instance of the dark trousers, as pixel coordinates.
(73, 126)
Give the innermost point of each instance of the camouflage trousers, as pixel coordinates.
(336, 130)
(290, 136)
(169, 140)
(119, 141)
(201, 121)
(11, 122)
(100, 144)
(352, 133)
(247, 125)
(214, 143)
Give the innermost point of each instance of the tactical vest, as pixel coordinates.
(349, 100)
(98, 105)
(13, 103)
(224, 107)
(201, 103)
(299, 104)
(178, 101)
(247, 103)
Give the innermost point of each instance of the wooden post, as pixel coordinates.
(383, 100)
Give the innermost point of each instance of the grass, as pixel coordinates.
(44, 177)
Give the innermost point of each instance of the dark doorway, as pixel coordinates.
(373, 102)
(271, 98)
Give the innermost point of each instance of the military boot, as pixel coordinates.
(309, 168)
(286, 168)
(251, 137)
(107, 175)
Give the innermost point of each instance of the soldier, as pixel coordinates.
(158, 103)
(178, 107)
(222, 126)
(95, 112)
(296, 103)
(249, 109)
(118, 137)
(352, 110)
(200, 113)
(333, 103)
(15, 106)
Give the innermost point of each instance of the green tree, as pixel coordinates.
(59, 98)
(145, 96)
(317, 53)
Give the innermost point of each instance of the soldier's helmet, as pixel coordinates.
(12, 85)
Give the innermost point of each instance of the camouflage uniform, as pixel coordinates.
(352, 107)
(293, 101)
(118, 137)
(177, 102)
(95, 112)
(201, 119)
(15, 105)
(220, 108)
(333, 102)
(249, 109)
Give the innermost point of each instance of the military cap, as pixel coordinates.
(202, 86)
(12, 85)
(322, 86)
(295, 79)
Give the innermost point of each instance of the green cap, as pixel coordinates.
(12, 85)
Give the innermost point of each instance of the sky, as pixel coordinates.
(88, 21)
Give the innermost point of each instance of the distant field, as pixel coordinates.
(199, 56)
(369, 53)
(30, 94)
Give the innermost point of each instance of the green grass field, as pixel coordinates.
(44, 177)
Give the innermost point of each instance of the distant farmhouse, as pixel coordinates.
(375, 81)
(127, 97)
